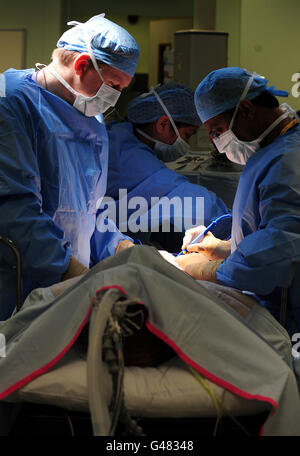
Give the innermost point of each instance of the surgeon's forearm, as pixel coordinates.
(223, 250)
(208, 272)
(199, 267)
(75, 269)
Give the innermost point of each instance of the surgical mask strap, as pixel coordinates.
(40, 66)
(146, 136)
(243, 96)
(272, 126)
(292, 113)
(88, 45)
(166, 110)
(61, 79)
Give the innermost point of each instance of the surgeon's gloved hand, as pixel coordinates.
(210, 246)
(125, 244)
(75, 269)
(199, 267)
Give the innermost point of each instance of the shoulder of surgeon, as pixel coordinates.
(282, 146)
(122, 133)
(14, 81)
(291, 138)
(125, 129)
(123, 143)
(278, 162)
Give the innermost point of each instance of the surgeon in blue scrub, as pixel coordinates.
(54, 156)
(245, 121)
(159, 127)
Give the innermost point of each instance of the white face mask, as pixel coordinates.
(91, 106)
(168, 152)
(239, 151)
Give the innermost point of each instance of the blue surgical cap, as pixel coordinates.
(178, 99)
(222, 89)
(110, 43)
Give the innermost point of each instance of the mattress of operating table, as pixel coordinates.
(170, 390)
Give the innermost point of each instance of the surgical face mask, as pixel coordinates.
(91, 106)
(239, 151)
(168, 152)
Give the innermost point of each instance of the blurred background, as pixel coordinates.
(263, 35)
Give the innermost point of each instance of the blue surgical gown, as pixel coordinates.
(266, 228)
(53, 172)
(134, 166)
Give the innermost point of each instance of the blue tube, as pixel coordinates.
(201, 235)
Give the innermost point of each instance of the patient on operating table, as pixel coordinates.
(142, 348)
